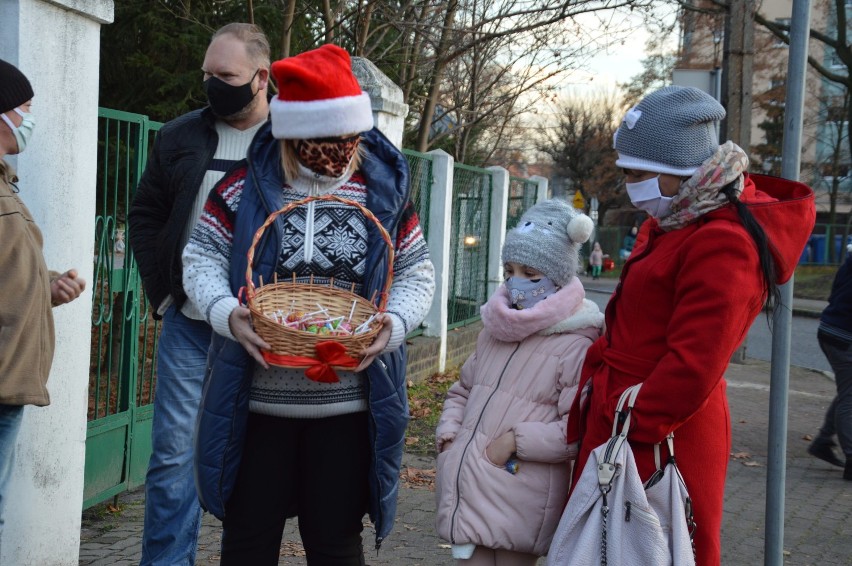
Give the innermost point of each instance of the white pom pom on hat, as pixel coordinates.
(580, 228)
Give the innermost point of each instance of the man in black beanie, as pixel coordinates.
(28, 290)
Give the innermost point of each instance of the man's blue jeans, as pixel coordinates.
(838, 417)
(172, 511)
(10, 424)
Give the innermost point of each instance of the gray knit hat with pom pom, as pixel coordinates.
(548, 238)
(672, 130)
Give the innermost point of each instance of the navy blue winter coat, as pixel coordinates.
(220, 429)
(838, 313)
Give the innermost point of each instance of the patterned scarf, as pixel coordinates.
(701, 193)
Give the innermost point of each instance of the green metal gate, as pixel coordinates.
(124, 334)
(522, 195)
(471, 220)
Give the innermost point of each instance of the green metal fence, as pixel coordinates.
(522, 195)
(420, 165)
(471, 220)
(121, 373)
(827, 244)
(611, 239)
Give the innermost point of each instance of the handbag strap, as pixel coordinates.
(607, 467)
(670, 442)
(624, 408)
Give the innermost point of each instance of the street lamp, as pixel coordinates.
(470, 241)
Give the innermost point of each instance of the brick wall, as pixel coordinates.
(422, 358)
(461, 342)
(423, 351)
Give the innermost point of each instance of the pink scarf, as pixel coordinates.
(509, 325)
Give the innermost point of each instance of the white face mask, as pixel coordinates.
(645, 195)
(24, 131)
(525, 293)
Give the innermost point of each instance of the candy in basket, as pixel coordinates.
(318, 327)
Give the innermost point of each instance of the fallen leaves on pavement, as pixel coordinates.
(292, 549)
(417, 478)
(746, 459)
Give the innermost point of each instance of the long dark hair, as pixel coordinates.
(767, 263)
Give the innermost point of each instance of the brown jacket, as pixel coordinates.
(26, 320)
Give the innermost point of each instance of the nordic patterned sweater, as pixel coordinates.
(323, 239)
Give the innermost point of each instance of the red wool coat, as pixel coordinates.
(684, 304)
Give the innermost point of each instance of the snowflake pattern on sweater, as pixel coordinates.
(320, 239)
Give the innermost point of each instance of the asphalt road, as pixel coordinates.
(804, 352)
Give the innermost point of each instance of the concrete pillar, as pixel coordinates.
(497, 230)
(440, 219)
(389, 110)
(56, 45)
(543, 188)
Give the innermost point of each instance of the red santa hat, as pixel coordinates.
(318, 96)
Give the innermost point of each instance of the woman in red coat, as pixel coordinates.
(718, 243)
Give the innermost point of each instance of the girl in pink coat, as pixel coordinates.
(503, 470)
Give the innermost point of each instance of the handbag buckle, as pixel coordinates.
(606, 472)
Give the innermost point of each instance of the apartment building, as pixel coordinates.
(826, 163)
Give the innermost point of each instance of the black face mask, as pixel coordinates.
(225, 99)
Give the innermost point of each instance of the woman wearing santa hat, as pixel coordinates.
(271, 442)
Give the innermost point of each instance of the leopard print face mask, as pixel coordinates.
(328, 157)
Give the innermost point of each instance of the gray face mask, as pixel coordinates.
(23, 132)
(525, 293)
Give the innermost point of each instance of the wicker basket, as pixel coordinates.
(294, 348)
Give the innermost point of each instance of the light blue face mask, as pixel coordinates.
(23, 132)
(645, 195)
(525, 293)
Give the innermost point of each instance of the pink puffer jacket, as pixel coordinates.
(526, 386)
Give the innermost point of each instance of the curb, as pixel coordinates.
(809, 313)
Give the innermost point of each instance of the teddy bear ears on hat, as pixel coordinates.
(558, 215)
(318, 96)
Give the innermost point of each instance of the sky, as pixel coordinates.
(616, 65)
(619, 62)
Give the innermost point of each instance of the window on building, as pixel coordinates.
(834, 60)
(836, 110)
(829, 171)
(777, 91)
(782, 22)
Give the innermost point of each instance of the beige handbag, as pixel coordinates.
(612, 518)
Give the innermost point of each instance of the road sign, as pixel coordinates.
(579, 201)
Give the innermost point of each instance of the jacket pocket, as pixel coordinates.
(490, 463)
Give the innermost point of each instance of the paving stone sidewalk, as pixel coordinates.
(818, 511)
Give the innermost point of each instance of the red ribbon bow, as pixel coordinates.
(329, 355)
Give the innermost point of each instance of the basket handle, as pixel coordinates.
(383, 299)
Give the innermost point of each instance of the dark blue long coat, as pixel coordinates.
(220, 430)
